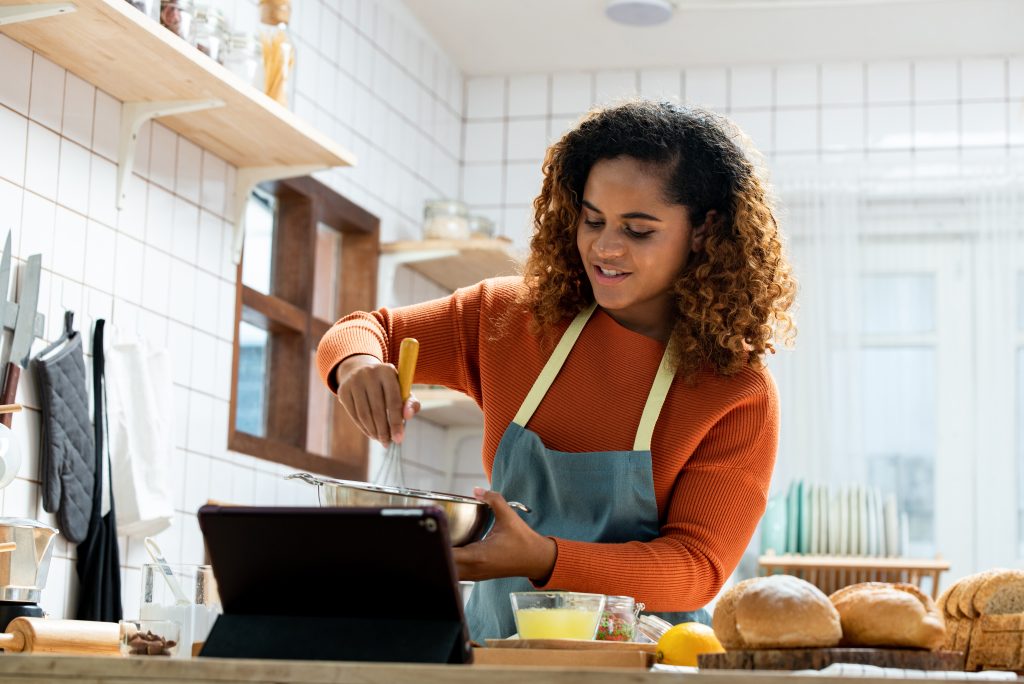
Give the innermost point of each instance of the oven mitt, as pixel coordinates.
(68, 457)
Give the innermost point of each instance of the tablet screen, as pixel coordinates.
(392, 563)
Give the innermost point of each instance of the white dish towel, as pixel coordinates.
(139, 392)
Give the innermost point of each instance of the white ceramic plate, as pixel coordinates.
(843, 508)
(892, 527)
(814, 520)
(805, 517)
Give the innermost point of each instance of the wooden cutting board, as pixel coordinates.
(573, 645)
(818, 658)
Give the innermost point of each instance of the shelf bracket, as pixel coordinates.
(133, 115)
(248, 178)
(13, 14)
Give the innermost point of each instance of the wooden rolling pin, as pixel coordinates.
(74, 637)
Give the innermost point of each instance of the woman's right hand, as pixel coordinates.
(369, 391)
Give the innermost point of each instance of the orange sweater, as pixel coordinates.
(713, 447)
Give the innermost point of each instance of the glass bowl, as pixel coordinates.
(557, 614)
(149, 637)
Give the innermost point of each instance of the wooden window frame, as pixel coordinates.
(303, 204)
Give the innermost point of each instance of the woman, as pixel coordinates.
(620, 378)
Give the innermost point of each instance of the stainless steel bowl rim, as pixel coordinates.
(383, 489)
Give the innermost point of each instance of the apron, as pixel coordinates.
(601, 496)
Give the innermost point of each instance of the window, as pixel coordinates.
(310, 257)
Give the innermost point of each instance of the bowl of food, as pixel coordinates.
(468, 519)
(557, 614)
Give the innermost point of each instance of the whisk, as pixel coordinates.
(390, 473)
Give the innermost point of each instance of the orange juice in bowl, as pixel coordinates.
(557, 614)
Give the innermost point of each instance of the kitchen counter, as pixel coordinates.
(40, 668)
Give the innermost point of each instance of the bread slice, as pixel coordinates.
(1001, 594)
(888, 615)
(965, 600)
(953, 600)
(943, 597)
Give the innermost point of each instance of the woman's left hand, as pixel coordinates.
(511, 549)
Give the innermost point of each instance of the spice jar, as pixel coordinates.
(445, 220)
(177, 16)
(618, 622)
(209, 32)
(243, 58)
(278, 50)
(480, 226)
(650, 628)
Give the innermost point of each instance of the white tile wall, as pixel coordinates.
(161, 267)
(789, 110)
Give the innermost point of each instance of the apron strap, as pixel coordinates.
(655, 400)
(553, 366)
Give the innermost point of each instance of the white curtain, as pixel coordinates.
(905, 371)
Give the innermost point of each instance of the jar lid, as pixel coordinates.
(445, 206)
(275, 12)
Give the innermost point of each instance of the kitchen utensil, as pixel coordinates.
(10, 408)
(158, 557)
(23, 569)
(72, 637)
(468, 519)
(24, 333)
(390, 473)
(556, 614)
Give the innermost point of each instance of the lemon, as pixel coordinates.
(681, 644)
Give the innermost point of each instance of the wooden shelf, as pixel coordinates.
(448, 408)
(118, 49)
(456, 263)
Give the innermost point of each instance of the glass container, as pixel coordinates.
(149, 638)
(557, 614)
(196, 618)
(445, 220)
(618, 622)
(176, 15)
(649, 628)
(480, 226)
(244, 58)
(278, 50)
(209, 32)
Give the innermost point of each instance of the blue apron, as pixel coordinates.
(601, 496)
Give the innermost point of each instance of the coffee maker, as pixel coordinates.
(25, 550)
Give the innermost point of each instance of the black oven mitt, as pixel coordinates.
(68, 458)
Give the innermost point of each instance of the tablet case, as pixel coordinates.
(360, 584)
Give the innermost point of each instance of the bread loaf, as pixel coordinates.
(892, 615)
(1001, 594)
(778, 611)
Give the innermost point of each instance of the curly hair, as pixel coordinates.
(733, 296)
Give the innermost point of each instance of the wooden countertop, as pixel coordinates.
(39, 668)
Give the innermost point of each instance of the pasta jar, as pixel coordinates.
(445, 220)
(177, 16)
(243, 58)
(618, 622)
(209, 32)
(278, 50)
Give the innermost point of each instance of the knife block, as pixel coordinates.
(329, 638)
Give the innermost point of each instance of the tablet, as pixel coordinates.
(334, 583)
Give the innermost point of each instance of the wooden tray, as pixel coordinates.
(818, 658)
(573, 645)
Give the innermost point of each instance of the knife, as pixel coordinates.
(23, 333)
(5, 280)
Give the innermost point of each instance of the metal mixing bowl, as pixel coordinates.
(468, 519)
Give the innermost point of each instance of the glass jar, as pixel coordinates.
(151, 8)
(160, 603)
(445, 220)
(209, 32)
(650, 628)
(244, 57)
(480, 227)
(177, 16)
(278, 50)
(618, 622)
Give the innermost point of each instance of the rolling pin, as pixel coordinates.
(74, 637)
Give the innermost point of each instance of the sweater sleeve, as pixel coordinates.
(718, 498)
(448, 330)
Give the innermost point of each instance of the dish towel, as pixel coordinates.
(140, 389)
(851, 670)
